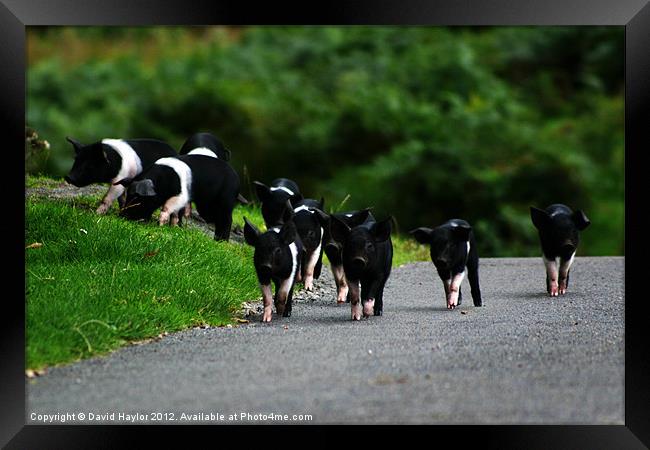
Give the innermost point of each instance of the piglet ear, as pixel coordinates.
(540, 217)
(251, 233)
(288, 232)
(262, 191)
(381, 230)
(323, 218)
(422, 235)
(461, 232)
(288, 213)
(75, 144)
(339, 229)
(581, 220)
(359, 217)
(145, 188)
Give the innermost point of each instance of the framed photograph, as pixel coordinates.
(266, 215)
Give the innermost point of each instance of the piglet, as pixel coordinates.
(559, 232)
(454, 254)
(171, 183)
(111, 160)
(367, 259)
(277, 259)
(205, 144)
(310, 232)
(334, 249)
(274, 198)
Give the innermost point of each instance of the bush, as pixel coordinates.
(425, 123)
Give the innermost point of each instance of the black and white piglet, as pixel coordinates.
(367, 259)
(559, 232)
(334, 249)
(454, 254)
(310, 232)
(171, 183)
(274, 198)
(277, 260)
(111, 160)
(205, 144)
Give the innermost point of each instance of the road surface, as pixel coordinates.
(523, 358)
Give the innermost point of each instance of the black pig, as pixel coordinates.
(311, 235)
(334, 249)
(208, 145)
(367, 258)
(453, 252)
(111, 160)
(559, 232)
(205, 144)
(171, 183)
(274, 199)
(277, 259)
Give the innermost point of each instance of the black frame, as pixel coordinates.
(15, 15)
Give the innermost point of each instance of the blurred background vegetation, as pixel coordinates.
(424, 123)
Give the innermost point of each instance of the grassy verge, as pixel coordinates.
(96, 283)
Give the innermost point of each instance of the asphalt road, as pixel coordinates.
(522, 358)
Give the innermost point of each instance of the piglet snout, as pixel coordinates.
(359, 262)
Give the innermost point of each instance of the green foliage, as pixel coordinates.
(99, 282)
(424, 123)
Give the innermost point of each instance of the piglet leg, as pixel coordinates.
(565, 266)
(267, 299)
(454, 290)
(312, 259)
(169, 209)
(355, 299)
(551, 277)
(113, 193)
(283, 297)
(341, 283)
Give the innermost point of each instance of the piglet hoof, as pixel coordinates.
(164, 218)
(562, 288)
(378, 312)
(356, 312)
(102, 209)
(268, 313)
(452, 300)
(309, 285)
(342, 296)
(553, 291)
(174, 220)
(369, 307)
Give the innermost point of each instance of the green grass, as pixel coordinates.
(407, 250)
(36, 181)
(97, 283)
